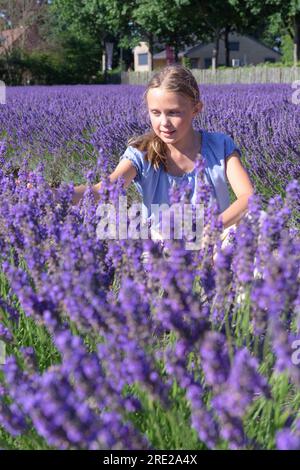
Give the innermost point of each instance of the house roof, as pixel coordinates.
(9, 36)
(191, 52)
(163, 54)
(262, 44)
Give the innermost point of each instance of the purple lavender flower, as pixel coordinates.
(215, 359)
(288, 439)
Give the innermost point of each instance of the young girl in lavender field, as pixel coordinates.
(157, 160)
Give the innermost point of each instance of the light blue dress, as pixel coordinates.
(154, 185)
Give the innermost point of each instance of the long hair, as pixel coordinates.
(173, 78)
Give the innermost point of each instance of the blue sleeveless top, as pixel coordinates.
(154, 185)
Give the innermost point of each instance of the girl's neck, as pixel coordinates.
(189, 146)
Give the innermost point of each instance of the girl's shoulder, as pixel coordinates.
(135, 155)
(138, 159)
(217, 137)
(219, 145)
(131, 150)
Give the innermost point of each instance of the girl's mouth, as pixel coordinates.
(168, 133)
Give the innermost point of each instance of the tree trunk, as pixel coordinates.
(226, 43)
(217, 42)
(104, 56)
(296, 38)
(121, 59)
(150, 38)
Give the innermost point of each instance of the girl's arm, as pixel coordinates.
(242, 188)
(124, 168)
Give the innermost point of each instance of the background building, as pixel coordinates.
(243, 50)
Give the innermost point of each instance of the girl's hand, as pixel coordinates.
(29, 185)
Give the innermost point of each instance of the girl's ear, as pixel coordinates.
(198, 107)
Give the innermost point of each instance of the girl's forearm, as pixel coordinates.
(78, 193)
(235, 211)
(80, 190)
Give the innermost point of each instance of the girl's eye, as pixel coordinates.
(171, 113)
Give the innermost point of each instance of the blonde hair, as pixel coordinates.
(177, 79)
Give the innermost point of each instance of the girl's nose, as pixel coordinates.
(164, 120)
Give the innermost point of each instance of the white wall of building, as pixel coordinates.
(142, 58)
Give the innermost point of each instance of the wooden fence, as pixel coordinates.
(258, 74)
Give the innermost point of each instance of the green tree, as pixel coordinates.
(215, 20)
(219, 18)
(168, 22)
(82, 18)
(287, 11)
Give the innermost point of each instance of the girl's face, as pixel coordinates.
(171, 114)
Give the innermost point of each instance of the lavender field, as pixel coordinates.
(102, 351)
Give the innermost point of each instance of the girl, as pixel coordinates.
(167, 154)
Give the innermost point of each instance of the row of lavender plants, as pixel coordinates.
(67, 126)
(187, 351)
